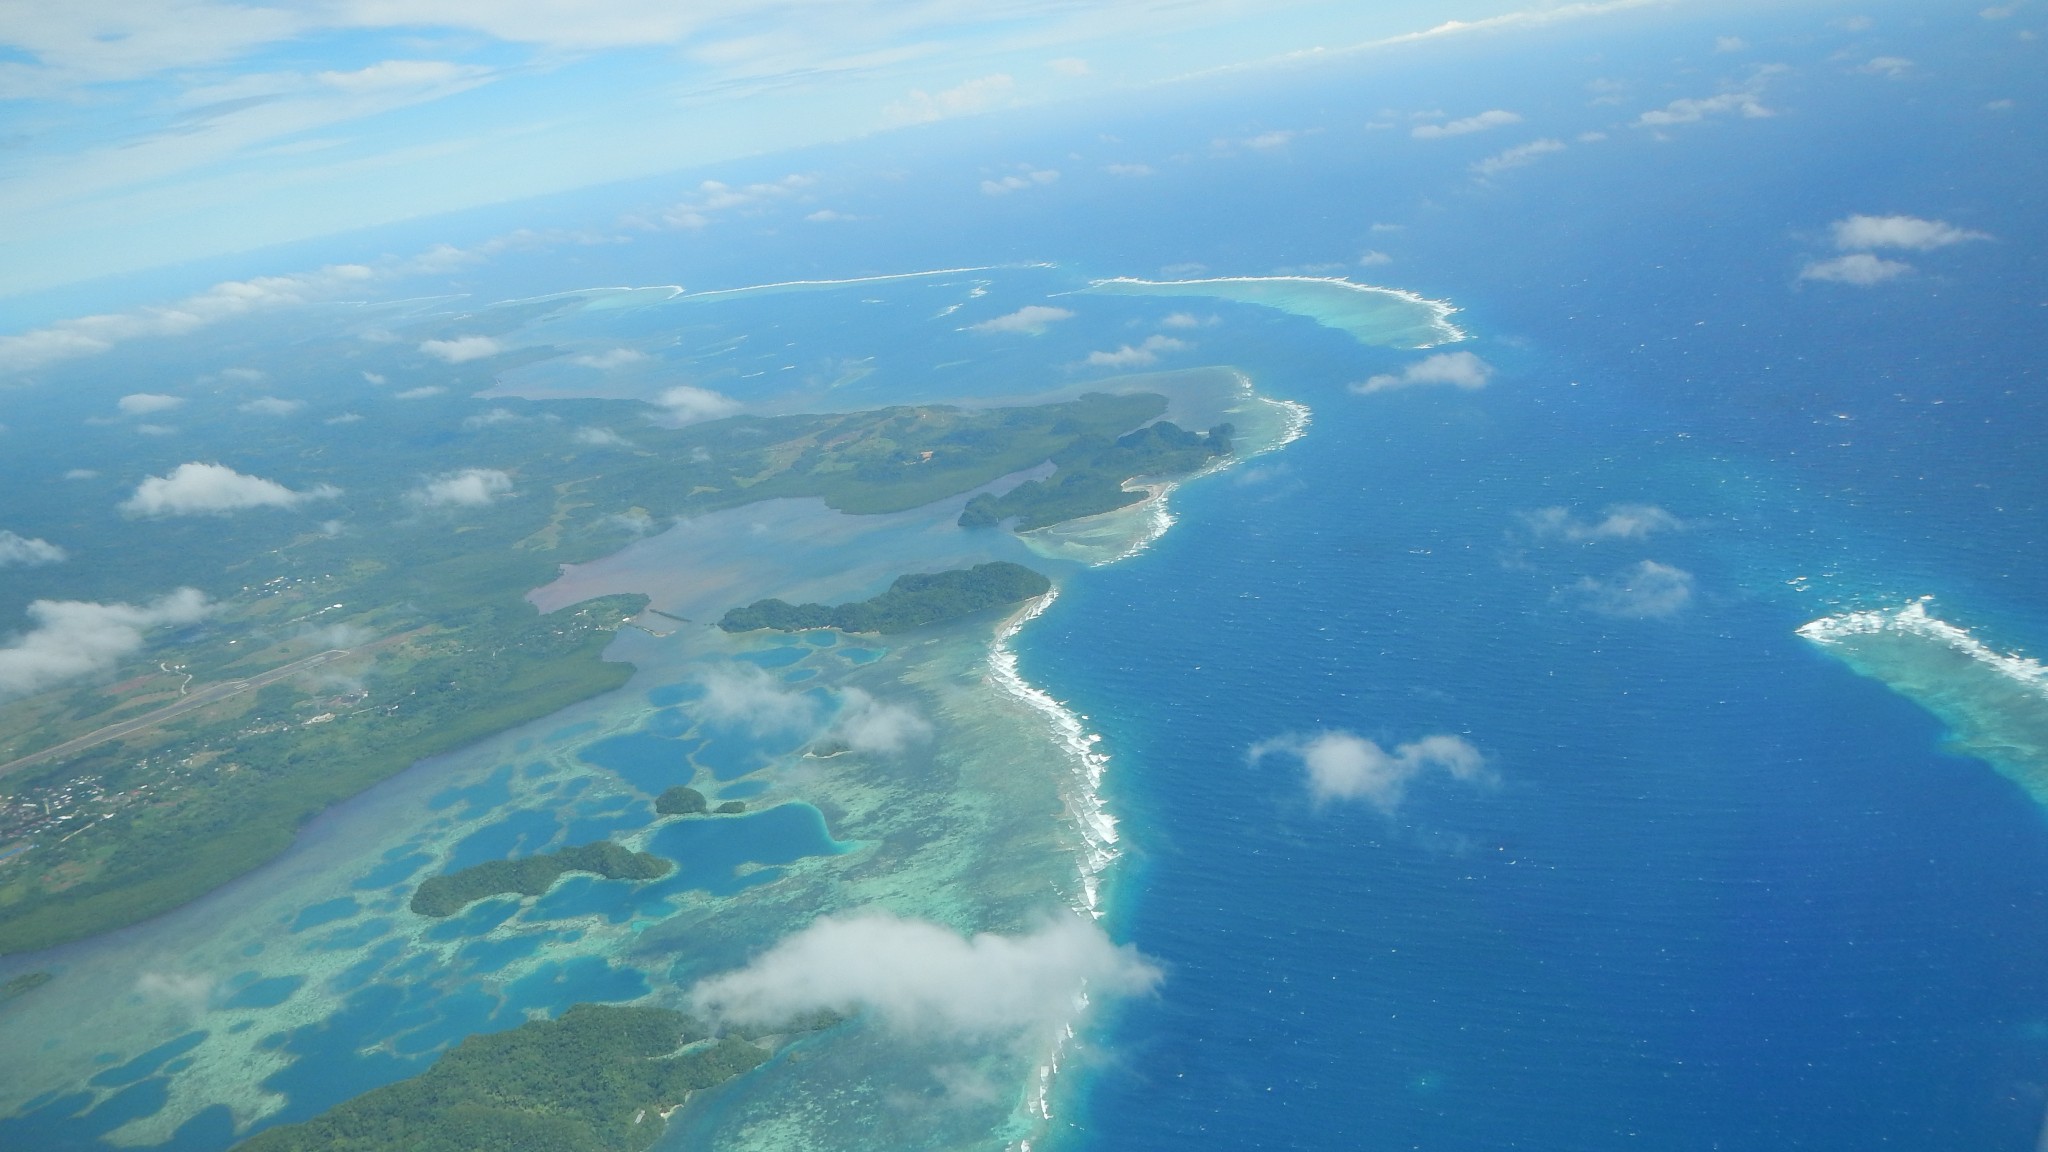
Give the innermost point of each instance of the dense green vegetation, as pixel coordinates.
(447, 894)
(913, 601)
(595, 1080)
(433, 598)
(1091, 474)
(731, 808)
(680, 801)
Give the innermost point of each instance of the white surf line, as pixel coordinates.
(1440, 311)
(857, 280)
(1916, 620)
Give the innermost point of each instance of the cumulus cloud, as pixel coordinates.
(977, 95)
(1032, 319)
(147, 403)
(1892, 67)
(716, 196)
(186, 991)
(89, 335)
(1691, 110)
(1643, 590)
(866, 724)
(420, 393)
(491, 417)
(601, 438)
(1458, 369)
(1031, 178)
(467, 488)
(198, 489)
(1858, 268)
(923, 980)
(609, 359)
(461, 349)
(1621, 522)
(1136, 356)
(685, 404)
(272, 406)
(1342, 765)
(73, 638)
(17, 551)
(744, 696)
(1519, 156)
(1863, 233)
(1493, 118)
(1373, 258)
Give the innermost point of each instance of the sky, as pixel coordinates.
(136, 134)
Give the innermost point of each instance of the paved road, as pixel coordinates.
(211, 694)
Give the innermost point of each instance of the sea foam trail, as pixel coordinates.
(1914, 619)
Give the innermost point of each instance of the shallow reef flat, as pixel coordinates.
(1385, 317)
(1994, 703)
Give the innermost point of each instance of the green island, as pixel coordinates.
(599, 1078)
(912, 601)
(451, 892)
(420, 608)
(680, 800)
(1092, 472)
(730, 808)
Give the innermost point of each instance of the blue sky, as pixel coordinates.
(140, 133)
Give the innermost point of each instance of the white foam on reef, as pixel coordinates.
(714, 292)
(1082, 793)
(1440, 311)
(1914, 619)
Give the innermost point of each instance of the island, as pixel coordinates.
(911, 602)
(600, 1078)
(447, 894)
(680, 801)
(1091, 472)
(170, 805)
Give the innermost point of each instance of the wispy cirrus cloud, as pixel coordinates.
(1492, 118)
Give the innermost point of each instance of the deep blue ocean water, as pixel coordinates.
(1722, 893)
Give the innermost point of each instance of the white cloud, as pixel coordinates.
(1130, 356)
(17, 551)
(244, 375)
(1645, 589)
(1373, 258)
(461, 349)
(88, 335)
(1458, 369)
(492, 417)
(609, 359)
(272, 406)
(344, 418)
(1621, 522)
(1493, 118)
(73, 638)
(1862, 233)
(1185, 320)
(420, 393)
(1341, 765)
(1278, 138)
(154, 429)
(1032, 178)
(186, 991)
(689, 405)
(1730, 44)
(467, 488)
(1889, 66)
(977, 95)
(866, 724)
(925, 980)
(1032, 319)
(744, 696)
(1691, 110)
(145, 403)
(828, 216)
(1518, 156)
(1128, 169)
(82, 474)
(198, 489)
(1859, 268)
(1069, 66)
(716, 196)
(374, 378)
(601, 438)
